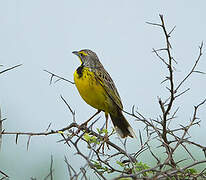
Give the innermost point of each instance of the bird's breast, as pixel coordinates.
(90, 89)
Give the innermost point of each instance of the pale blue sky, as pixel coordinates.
(41, 34)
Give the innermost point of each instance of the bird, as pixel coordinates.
(97, 88)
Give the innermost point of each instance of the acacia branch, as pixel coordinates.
(1, 72)
(4, 174)
(193, 68)
(58, 77)
(166, 111)
(1, 128)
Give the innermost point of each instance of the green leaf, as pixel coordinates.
(87, 137)
(120, 163)
(91, 139)
(105, 131)
(191, 171)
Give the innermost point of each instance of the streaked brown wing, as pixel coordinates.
(107, 83)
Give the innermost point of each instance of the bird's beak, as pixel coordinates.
(76, 53)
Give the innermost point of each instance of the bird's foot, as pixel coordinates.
(82, 126)
(105, 140)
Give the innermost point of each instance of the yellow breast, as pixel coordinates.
(91, 90)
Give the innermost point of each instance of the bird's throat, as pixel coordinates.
(79, 71)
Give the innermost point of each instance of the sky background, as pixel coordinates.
(41, 34)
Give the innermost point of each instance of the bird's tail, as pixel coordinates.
(121, 125)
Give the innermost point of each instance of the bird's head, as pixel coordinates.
(88, 58)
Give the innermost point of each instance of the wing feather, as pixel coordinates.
(107, 83)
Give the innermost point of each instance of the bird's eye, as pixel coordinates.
(81, 55)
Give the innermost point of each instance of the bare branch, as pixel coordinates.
(10, 68)
(1, 128)
(70, 109)
(1, 172)
(28, 142)
(154, 24)
(155, 51)
(50, 170)
(171, 31)
(59, 77)
(193, 68)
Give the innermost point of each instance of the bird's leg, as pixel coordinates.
(106, 117)
(106, 138)
(85, 123)
(106, 134)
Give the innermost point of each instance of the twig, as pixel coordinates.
(10, 68)
(4, 174)
(40, 133)
(70, 109)
(59, 77)
(193, 68)
(50, 170)
(70, 170)
(1, 128)
(86, 158)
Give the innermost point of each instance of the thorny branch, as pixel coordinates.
(51, 170)
(1, 127)
(8, 69)
(58, 78)
(5, 176)
(193, 68)
(72, 125)
(156, 129)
